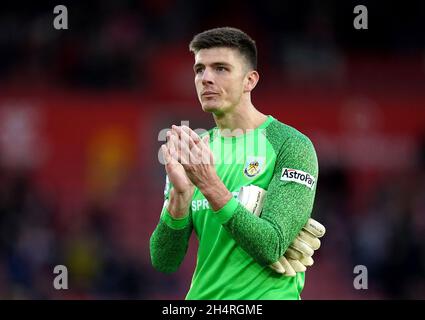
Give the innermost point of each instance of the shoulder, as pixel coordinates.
(282, 136)
(293, 148)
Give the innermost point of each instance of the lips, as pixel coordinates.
(208, 93)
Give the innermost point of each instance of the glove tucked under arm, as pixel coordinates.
(299, 254)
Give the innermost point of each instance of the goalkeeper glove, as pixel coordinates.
(299, 254)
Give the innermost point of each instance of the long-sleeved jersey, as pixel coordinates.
(235, 246)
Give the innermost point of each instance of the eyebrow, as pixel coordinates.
(215, 64)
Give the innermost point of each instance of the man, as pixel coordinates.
(204, 176)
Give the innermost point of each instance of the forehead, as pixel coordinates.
(214, 55)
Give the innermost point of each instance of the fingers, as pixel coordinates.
(298, 255)
(193, 149)
(187, 144)
(315, 228)
(288, 267)
(289, 271)
(166, 154)
(278, 267)
(302, 247)
(293, 254)
(207, 155)
(179, 146)
(175, 147)
(192, 134)
(311, 240)
(296, 265)
(307, 261)
(185, 155)
(292, 262)
(169, 151)
(186, 138)
(193, 138)
(187, 135)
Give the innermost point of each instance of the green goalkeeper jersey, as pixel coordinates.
(235, 246)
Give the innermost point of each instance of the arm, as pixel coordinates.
(287, 206)
(170, 239)
(286, 209)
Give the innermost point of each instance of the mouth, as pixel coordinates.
(209, 94)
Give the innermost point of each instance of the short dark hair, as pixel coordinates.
(226, 37)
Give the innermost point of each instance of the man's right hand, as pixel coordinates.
(183, 188)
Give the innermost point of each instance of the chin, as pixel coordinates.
(207, 107)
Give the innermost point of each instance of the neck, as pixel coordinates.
(241, 118)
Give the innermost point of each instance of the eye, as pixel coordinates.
(220, 69)
(199, 70)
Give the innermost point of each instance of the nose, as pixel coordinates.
(207, 77)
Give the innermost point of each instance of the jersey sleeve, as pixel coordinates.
(287, 206)
(170, 239)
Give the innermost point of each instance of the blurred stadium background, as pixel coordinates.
(81, 110)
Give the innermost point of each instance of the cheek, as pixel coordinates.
(231, 86)
(197, 85)
(236, 89)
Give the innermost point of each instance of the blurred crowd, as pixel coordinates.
(113, 45)
(33, 241)
(383, 230)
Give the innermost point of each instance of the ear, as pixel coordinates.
(251, 80)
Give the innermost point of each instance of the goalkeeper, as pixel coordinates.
(246, 188)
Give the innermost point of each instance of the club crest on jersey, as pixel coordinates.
(253, 166)
(298, 176)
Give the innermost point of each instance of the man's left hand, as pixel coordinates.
(197, 160)
(196, 156)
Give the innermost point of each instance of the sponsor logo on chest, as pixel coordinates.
(203, 204)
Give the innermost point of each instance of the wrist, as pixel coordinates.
(210, 185)
(216, 193)
(184, 195)
(173, 222)
(179, 202)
